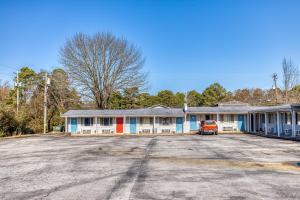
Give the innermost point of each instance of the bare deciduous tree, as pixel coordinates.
(4, 91)
(290, 75)
(102, 64)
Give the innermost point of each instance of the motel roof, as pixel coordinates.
(215, 110)
(152, 111)
(228, 107)
(225, 108)
(279, 108)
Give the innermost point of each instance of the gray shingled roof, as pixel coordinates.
(280, 108)
(153, 111)
(166, 111)
(219, 109)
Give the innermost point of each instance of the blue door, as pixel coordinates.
(179, 124)
(193, 123)
(132, 125)
(73, 125)
(241, 123)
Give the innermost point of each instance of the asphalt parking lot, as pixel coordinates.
(162, 167)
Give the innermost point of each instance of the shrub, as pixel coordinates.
(8, 123)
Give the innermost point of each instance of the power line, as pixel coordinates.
(10, 67)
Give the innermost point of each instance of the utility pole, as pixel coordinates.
(47, 82)
(275, 77)
(18, 94)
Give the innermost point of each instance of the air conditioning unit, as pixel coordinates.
(145, 131)
(297, 133)
(86, 131)
(106, 131)
(270, 130)
(227, 128)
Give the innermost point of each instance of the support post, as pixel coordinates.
(66, 124)
(248, 129)
(250, 122)
(96, 125)
(154, 118)
(254, 122)
(278, 124)
(124, 124)
(266, 124)
(218, 121)
(259, 122)
(293, 123)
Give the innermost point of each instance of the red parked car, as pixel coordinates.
(208, 126)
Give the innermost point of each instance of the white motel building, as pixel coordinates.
(279, 121)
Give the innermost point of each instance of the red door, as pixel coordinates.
(119, 124)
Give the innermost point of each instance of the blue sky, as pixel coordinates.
(187, 44)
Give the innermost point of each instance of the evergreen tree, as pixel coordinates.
(166, 98)
(213, 95)
(194, 98)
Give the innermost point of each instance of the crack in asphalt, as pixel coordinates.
(129, 180)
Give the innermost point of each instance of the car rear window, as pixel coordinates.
(210, 123)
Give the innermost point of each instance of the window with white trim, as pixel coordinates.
(165, 121)
(88, 121)
(105, 121)
(146, 120)
(288, 118)
(229, 118)
(221, 117)
(271, 118)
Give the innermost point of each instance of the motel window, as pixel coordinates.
(297, 119)
(105, 121)
(146, 120)
(229, 118)
(165, 120)
(287, 118)
(88, 121)
(269, 118)
(207, 117)
(221, 117)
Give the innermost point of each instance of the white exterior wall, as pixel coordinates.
(103, 129)
(199, 118)
(232, 125)
(127, 125)
(159, 127)
(95, 128)
(221, 125)
(144, 126)
(186, 125)
(98, 129)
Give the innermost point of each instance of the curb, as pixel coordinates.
(297, 139)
